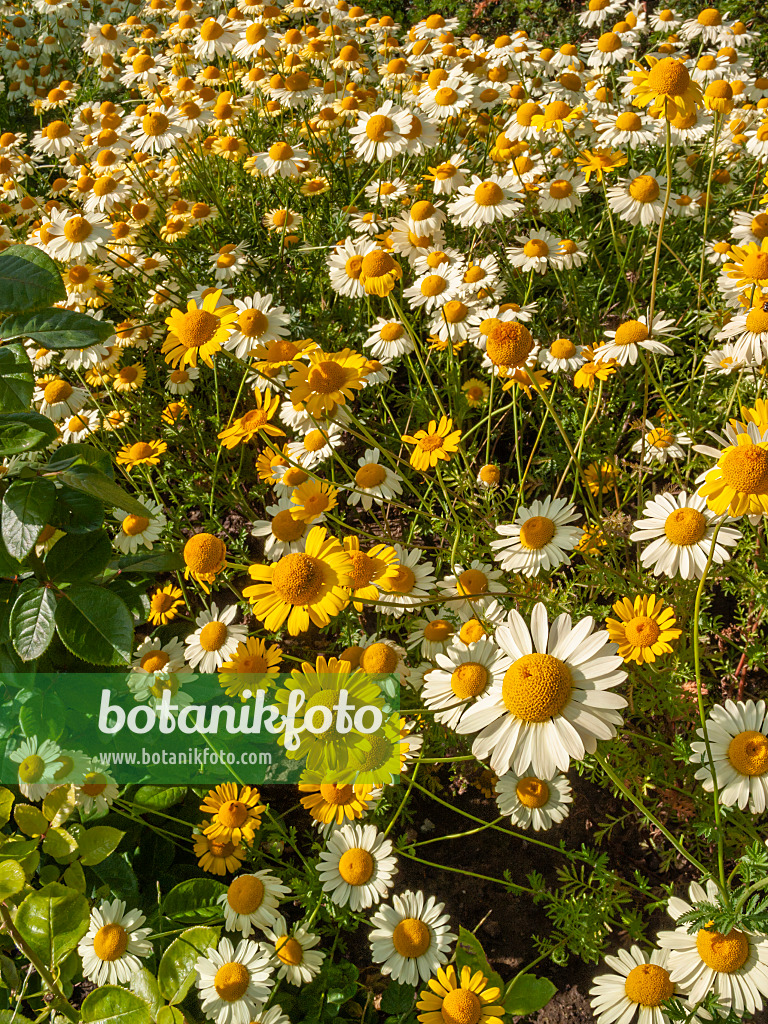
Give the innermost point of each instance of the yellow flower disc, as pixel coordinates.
(536, 687)
(648, 985)
(748, 753)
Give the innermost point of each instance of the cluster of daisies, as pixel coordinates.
(299, 215)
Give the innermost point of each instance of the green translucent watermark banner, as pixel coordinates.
(184, 728)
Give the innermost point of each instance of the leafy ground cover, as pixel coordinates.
(340, 343)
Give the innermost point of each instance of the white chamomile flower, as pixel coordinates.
(638, 199)
(58, 398)
(38, 765)
(388, 339)
(531, 802)
(733, 966)
(537, 251)
(748, 333)
(411, 938)
(658, 444)
(431, 634)
(234, 983)
(409, 585)
(374, 483)
(215, 640)
(251, 902)
(357, 866)
(316, 446)
(484, 201)
(258, 322)
(114, 945)
(97, 792)
(638, 988)
(738, 742)
(469, 589)
(624, 343)
(680, 528)
(562, 354)
(464, 673)
(555, 701)
(139, 531)
(539, 538)
(294, 951)
(284, 534)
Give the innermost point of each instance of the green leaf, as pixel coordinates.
(74, 876)
(113, 1005)
(58, 804)
(75, 512)
(143, 983)
(25, 432)
(78, 557)
(12, 879)
(159, 798)
(17, 381)
(470, 951)
(31, 621)
(57, 328)
(26, 507)
(169, 1015)
(527, 994)
(79, 454)
(30, 820)
(154, 561)
(53, 920)
(98, 842)
(194, 901)
(59, 844)
(95, 624)
(397, 999)
(177, 966)
(6, 803)
(29, 279)
(42, 715)
(91, 481)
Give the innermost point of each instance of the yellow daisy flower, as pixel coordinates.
(141, 453)
(667, 88)
(329, 379)
(204, 555)
(164, 605)
(252, 658)
(369, 568)
(311, 499)
(235, 812)
(644, 628)
(253, 422)
(198, 333)
(465, 998)
(438, 441)
(331, 803)
(216, 856)
(738, 484)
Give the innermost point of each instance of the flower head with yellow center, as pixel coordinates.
(437, 443)
(738, 741)
(464, 999)
(644, 628)
(198, 333)
(235, 813)
(666, 88)
(327, 380)
(257, 421)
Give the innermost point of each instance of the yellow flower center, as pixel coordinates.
(536, 687)
(326, 377)
(280, 151)
(232, 814)
(252, 323)
(337, 795)
(204, 553)
(213, 635)
(77, 229)
(402, 582)
(154, 661)
(422, 210)
(536, 532)
(315, 441)
(430, 443)
(757, 320)
(669, 77)
(631, 333)
(289, 951)
(644, 188)
(356, 866)
(411, 937)
(474, 274)
(286, 528)
(110, 942)
(378, 127)
(710, 17)
(438, 630)
(648, 984)
(472, 631)
(134, 525)
(469, 679)
(460, 1006)
(562, 348)
(659, 438)
(245, 894)
(297, 579)
(472, 581)
(685, 526)
(490, 474)
(231, 982)
(370, 475)
(723, 953)
(433, 284)
(94, 784)
(532, 792)
(455, 311)
(353, 267)
(748, 753)
(155, 123)
(488, 193)
(759, 225)
(628, 122)
(446, 96)
(536, 247)
(745, 469)
(642, 631)
(294, 476)
(104, 185)
(560, 188)
(57, 130)
(31, 768)
(378, 658)
(57, 391)
(377, 264)
(755, 266)
(509, 344)
(196, 328)
(608, 42)
(391, 332)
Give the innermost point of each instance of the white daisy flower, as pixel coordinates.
(232, 983)
(299, 962)
(258, 322)
(681, 527)
(470, 589)
(284, 534)
(181, 381)
(345, 263)
(431, 634)
(624, 343)
(282, 161)
(733, 966)
(562, 354)
(638, 199)
(388, 339)
(464, 673)
(562, 193)
(215, 640)
(316, 446)
(539, 538)
(38, 765)
(79, 426)
(382, 134)
(534, 803)
(97, 792)
(76, 236)
(58, 398)
(484, 201)
(748, 333)
(628, 128)
(357, 866)
(409, 587)
(139, 531)
(637, 989)
(555, 701)
(374, 483)
(410, 938)
(251, 902)
(658, 444)
(726, 360)
(114, 945)
(738, 741)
